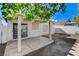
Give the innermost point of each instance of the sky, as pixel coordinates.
(71, 9)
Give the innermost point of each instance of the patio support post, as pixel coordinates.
(50, 31)
(19, 33)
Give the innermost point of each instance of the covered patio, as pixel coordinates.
(29, 45)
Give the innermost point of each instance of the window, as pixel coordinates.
(45, 28)
(35, 25)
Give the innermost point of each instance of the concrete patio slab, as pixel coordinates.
(28, 46)
(11, 49)
(40, 42)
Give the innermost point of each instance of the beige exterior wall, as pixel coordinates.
(10, 34)
(41, 29)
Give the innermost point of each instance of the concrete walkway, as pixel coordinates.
(28, 46)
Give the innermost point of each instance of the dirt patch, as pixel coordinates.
(2, 49)
(60, 47)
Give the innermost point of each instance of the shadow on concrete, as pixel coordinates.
(60, 47)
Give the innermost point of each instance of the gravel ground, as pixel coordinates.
(60, 47)
(2, 49)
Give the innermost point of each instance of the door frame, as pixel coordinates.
(17, 30)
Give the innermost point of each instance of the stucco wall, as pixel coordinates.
(43, 28)
(33, 32)
(3, 35)
(10, 34)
